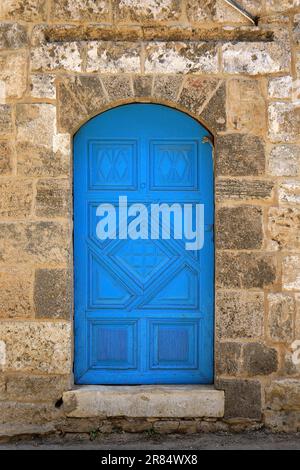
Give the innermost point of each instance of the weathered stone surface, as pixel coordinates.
(282, 5)
(182, 401)
(40, 150)
(280, 87)
(36, 124)
(52, 198)
(2, 386)
(26, 10)
(166, 426)
(227, 357)
(42, 161)
(61, 32)
(282, 421)
(80, 10)
(289, 192)
(291, 272)
(167, 86)
(34, 242)
(246, 106)
(52, 294)
(132, 424)
(281, 316)
(187, 426)
(196, 92)
(288, 367)
(180, 57)
(284, 122)
(42, 86)
(283, 395)
(297, 319)
(37, 346)
(56, 56)
(259, 359)
(239, 155)
(239, 228)
(284, 160)
(33, 388)
(118, 87)
(214, 113)
(239, 314)
(12, 75)
(254, 58)
(218, 11)
(113, 57)
(296, 30)
(201, 12)
(242, 398)
(245, 270)
(142, 85)
(147, 11)
(12, 36)
(10, 430)
(2, 353)
(284, 228)
(6, 155)
(239, 189)
(15, 293)
(79, 97)
(44, 33)
(296, 89)
(5, 119)
(27, 414)
(94, 425)
(15, 198)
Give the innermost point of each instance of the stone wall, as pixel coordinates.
(64, 61)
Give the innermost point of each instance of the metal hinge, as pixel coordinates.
(208, 139)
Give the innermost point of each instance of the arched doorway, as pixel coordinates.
(143, 293)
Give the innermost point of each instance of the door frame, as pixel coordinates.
(209, 140)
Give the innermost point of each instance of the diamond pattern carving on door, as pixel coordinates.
(174, 165)
(141, 258)
(143, 308)
(112, 165)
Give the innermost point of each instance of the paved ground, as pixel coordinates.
(254, 440)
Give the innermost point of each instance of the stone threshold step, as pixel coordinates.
(144, 401)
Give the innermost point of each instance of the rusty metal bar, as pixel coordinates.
(240, 9)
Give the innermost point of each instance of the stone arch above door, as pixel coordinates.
(82, 97)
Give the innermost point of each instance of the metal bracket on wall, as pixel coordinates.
(254, 19)
(208, 139)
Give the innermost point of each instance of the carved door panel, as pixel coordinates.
(143, 307)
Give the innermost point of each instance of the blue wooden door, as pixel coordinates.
(143, 307)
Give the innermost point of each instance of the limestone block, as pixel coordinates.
(252, 58)
(239, 314)
(180, 57)
(291, 273)
(15, 293)
(284, 160)
(245, 270)
(37, 346)
(281, 314)
(239, 228)
(52, 293)
(239, 155)
(13, 70)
